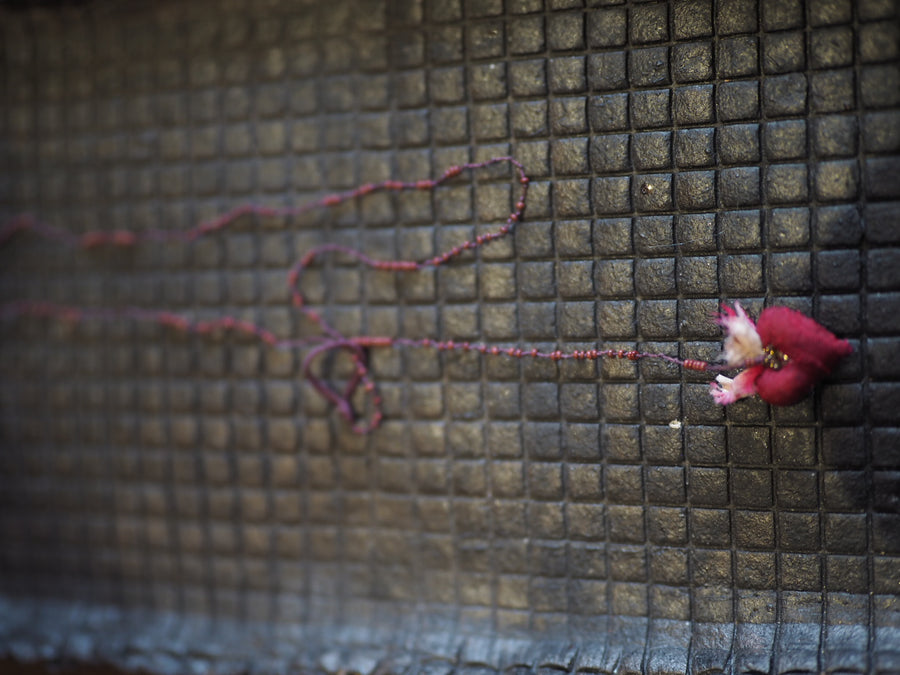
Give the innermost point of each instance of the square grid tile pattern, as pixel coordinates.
(608, 517)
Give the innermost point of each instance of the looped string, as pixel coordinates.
(343, 401)
(330, 341)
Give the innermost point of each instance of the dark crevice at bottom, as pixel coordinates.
(15, 667)
(38, 637)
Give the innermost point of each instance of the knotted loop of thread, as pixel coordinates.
(343, 400)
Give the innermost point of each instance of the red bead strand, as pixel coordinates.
(329, 340)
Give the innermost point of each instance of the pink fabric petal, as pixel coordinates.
(788, 385)
(813, 352)
(726, 390)
(804, 340)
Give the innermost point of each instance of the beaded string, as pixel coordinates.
(329, 340)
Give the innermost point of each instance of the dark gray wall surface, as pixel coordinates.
(180, 503)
